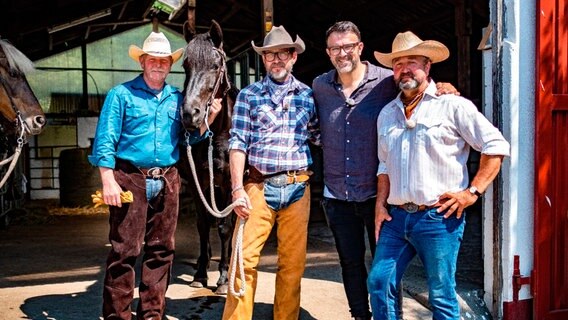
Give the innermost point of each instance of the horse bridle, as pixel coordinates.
(19, 121)
(20, 141)
(221, 75)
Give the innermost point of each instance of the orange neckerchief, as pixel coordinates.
(410, 106)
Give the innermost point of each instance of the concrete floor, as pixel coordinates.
(51, 267)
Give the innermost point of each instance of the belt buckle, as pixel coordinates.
(410, 207)
(278, 181)
(155, 173)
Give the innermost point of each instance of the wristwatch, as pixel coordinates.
(473, 190)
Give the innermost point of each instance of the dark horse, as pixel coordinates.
(19, 106)
(206, 76)
(20, 116)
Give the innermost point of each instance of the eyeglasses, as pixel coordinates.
(348, 48)
(282, 55)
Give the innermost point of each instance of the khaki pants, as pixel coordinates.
(292, 236)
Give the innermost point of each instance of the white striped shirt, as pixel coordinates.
(430, 159)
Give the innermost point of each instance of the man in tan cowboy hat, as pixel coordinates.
(272, 122)
(135, 148)
(423, 185)
(354, 92)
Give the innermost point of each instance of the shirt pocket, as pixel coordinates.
(429, 132)
(388, 137)
(264, 117)
(136, 120)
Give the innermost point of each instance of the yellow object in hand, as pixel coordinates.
(125, 197)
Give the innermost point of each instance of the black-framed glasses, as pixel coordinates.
(282, 55)
(348, 48)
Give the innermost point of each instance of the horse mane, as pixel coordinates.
(17, 61)
(197, 54)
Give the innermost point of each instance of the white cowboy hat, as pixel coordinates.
(408, 44)
(156, 45)
(278, 38)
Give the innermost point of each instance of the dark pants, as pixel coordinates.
(131, 226)
(349, 221)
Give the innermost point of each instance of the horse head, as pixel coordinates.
(18, 104)
(206, 77)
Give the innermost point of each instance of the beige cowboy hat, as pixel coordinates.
(156, 45)
(408, 44)
(278, 38)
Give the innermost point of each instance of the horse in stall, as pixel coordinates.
(20, 112)
(206, 78)
(19, 106)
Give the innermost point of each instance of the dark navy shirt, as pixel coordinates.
(349, 132)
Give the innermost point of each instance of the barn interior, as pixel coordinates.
(41, 29)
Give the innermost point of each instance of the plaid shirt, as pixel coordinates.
(275, 136)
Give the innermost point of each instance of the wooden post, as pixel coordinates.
(267, 16)
(155, 24)
(191, 16)
(463, 21)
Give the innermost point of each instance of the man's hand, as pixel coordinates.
(111, 189)
(214, 110)
(455, 202)
(381, 214)
(242, 211)
(446, 88)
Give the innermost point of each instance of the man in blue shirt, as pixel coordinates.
(136, 145)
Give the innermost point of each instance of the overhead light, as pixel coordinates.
(85, 19)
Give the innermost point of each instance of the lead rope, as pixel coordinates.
(16, 155)
(238, 250)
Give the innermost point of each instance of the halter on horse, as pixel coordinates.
(21, 113)
(206, 79)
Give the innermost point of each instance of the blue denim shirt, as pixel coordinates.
(137, 126)
(349, 133)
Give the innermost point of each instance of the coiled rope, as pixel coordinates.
(238, 250)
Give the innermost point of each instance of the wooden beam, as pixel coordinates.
(267, 16)
(463, 27)
(191, 4)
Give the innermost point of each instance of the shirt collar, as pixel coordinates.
(292, 83)
(371, 74)
(430, 91)
(139, 84)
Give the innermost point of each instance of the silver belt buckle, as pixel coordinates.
(410, 207)
(155, 173)
(278, 181)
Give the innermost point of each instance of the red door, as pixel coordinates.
(550, 285)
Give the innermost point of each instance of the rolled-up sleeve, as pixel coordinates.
(108, 132)
(479, 133)
(240, 129)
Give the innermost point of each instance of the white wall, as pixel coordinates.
(517, 92)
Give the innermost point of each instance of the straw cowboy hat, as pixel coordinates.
(408, 44)
(278, 38)
(156, 45)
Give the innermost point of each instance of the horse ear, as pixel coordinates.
(216, 34)
(188, 34)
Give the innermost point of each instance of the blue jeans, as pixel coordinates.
(281, 197)
(349, 221)
(153, 188)
(436, 241)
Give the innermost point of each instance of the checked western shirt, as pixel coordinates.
(275, 136)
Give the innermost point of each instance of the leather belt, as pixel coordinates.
(281, 178)
(413, 207)
(149, 173)
(154, 173)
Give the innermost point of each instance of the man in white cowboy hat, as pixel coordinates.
(348, 101)
(423, 185)
(135, 148)
(272, 122)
